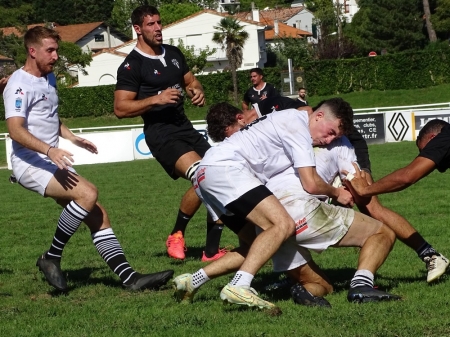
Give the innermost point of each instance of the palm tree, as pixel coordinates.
(232, 36)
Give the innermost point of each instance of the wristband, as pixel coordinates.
(350, 177)
(51, 147)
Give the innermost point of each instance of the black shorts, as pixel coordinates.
(168, 142)
(242, 206)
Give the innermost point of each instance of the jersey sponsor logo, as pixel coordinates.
(201, 175)
(44, 97)
(156, 72)
(19, 91)
(300, 226)
(127, 66)
(18, 103)
(175, 63)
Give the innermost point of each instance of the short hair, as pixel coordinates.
(433, 126)
(259, 71)
(219, 117)
(341, 110)
(138, 15)
(301, 88)
(35, 35)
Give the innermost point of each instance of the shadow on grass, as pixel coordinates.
(5, 271)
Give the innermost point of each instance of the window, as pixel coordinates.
(346, 6)
(99, 38)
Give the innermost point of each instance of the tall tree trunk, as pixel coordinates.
(430, 30)
(235, 86)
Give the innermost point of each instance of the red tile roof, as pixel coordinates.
(283, 31)
(70, 33)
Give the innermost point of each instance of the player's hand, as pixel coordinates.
(357, 182)
(198, 96)
(62, 158)
(345, 198)
(263, 97)
(168, 96)
(85, 144)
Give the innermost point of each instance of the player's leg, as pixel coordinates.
(376, 241)
(405, 232)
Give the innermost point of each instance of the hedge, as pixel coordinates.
(325, 77)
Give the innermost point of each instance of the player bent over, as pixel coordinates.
(31, 111)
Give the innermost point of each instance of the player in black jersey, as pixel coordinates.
(151, 83)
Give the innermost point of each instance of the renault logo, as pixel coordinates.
(398, 126)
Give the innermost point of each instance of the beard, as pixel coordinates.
(152, 43)
(44, 68)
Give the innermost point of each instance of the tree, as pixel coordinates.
(298, 50)
(393, 25)
(429, 25)
(232, 37)
(441, 18)
(195, 59)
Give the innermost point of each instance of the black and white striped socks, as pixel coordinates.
(68, 223)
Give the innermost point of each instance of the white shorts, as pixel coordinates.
(218, 186)
(36, 179)
(318, 225)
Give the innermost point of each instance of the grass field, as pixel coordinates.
(142, 203)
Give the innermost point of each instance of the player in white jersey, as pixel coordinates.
(232, 175)
(31, 112)
(318, 226)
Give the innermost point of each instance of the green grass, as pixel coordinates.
(142, 203)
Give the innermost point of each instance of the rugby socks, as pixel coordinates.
(181, 223)
(110, 250)
(199, 278)
(426, 250)
(242, 278)
(213, 234)
(362, 278)
(68, 223)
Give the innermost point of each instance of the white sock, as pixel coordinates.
(362, 277)
(199, 278)
(242, 278)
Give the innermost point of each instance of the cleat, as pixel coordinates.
(52, 271)
(150, 281)
(282, 283)
(221, 253)
(244, 295)
(436, 265)
(175, 246)
(368, 294)
(184, 291)
(302, 296)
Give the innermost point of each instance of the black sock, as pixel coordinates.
(213, 234)
(181, 223)
(426, 250)
(110, 250)
(68, 223)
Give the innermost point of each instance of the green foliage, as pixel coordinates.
(441, 18)
(173, 12)
(195, 58)
(298, 50)
(12, 47)
(393, 25)
(18, 15)
(388, 72)
(67, 12)
(70, 56)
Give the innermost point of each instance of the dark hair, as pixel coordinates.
(257, 70)
(35, 35)
(219, 117)
(301, 88)
(138, 15)
(433, 126)
(341, 110)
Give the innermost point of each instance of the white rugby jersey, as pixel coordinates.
(36, 100)
(269, 145)
(330, 161)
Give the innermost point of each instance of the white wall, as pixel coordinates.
(200, 30)
(101, 71)
(87, 43)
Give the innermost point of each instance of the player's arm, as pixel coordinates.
(194, 89)
(18, 133)
(396, 181)
(65, 133)
(314, 184)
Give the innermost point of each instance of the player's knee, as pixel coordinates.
(89, 195)
(388, 234)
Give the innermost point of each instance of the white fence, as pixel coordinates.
(125, 143)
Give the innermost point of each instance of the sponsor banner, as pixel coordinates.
(399, 126)
(141, 150)
(370, 126)
(421, 118)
